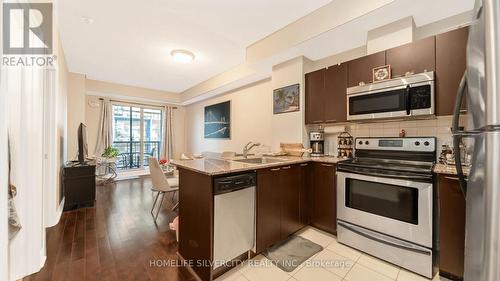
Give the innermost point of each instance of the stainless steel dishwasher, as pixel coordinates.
(234, 216)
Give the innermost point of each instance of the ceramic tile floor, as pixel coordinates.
(335, 263)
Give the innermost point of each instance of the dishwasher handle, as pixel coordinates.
(227, 184)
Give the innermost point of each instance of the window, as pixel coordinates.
(137, 133)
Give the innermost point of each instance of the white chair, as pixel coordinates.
(161, 184)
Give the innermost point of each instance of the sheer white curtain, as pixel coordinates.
(105, 133)
(23, 90)
(167, 149)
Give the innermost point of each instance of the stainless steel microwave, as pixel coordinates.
(406, 96)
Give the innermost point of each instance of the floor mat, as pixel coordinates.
(289, 254)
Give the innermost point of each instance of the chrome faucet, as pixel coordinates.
(247, 148)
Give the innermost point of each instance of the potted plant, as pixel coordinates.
(110, 153)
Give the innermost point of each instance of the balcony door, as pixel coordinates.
(137, 133)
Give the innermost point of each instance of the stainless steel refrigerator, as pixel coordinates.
(481, 86)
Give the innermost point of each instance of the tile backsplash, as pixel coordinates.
(438, 127)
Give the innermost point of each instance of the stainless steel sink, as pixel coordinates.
(262, 160)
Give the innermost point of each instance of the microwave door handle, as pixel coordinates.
(408, 100)
(457, 137)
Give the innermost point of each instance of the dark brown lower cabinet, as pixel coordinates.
(451, 227)
(279, 192)
(268, 208)
(323, 197)
(305, 187)
(195, 229)
(289, 183)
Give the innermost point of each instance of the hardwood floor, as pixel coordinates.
(115, 240)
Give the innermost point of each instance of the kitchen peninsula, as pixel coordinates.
(291, 192)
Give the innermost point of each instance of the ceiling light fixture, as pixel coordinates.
(87, 20)
(182, 56)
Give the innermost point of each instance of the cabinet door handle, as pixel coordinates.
(275, 169)
(304, 165)
(331, 120)
(326, 165)
(318, 121)
(286, 168)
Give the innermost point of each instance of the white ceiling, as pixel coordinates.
(353, 34)
(129, 41)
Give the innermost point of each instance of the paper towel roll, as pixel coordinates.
(334, 129)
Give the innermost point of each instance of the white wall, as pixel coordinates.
(391, 35)
(76, 111)
(252, 117)
(251, 120)
(288, 127)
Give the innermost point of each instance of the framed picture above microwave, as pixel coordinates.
(381, 73)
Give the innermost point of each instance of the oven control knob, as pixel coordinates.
(417, 143)
(367, 142)
(360, 142)
(426, 143)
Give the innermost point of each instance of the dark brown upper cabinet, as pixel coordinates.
(335, 101)
(415, 57)
(315, 92)
(450, 66)
(361, 69)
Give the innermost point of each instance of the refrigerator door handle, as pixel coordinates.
(457, 134)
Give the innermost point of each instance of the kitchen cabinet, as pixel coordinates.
(335, 94)
(268, 226)
(450, 66)
(324, 197)
(305, 189)
(414, 57)
(290, 186)
(361, 69)
(279, 197)
(315, 93)
(451, 227)
(196, 207)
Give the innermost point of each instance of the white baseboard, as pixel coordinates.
(58, 215)
(43, 258)
(60, 210)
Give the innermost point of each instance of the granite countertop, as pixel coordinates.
(218, 166)
(448, 169)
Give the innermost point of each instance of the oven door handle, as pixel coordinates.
(375, 174)
(382, 239)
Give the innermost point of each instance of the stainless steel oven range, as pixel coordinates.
(385, 201)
